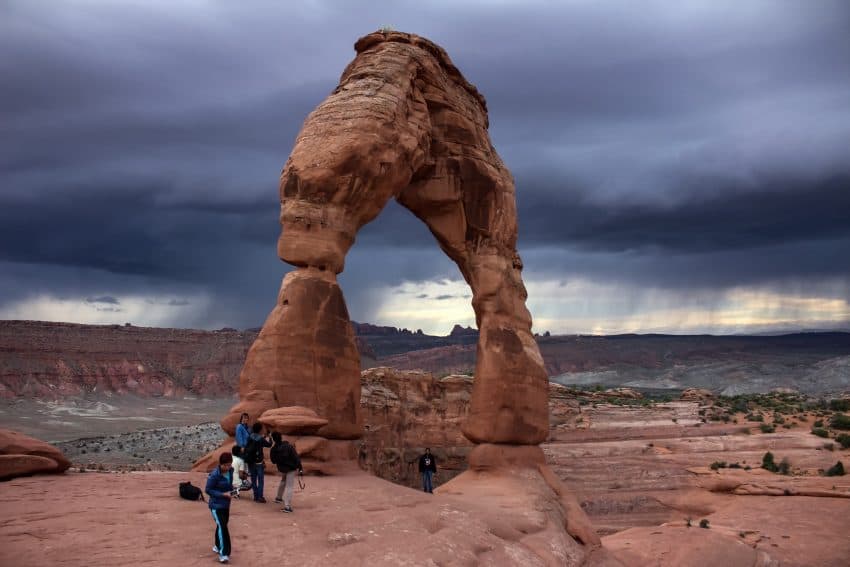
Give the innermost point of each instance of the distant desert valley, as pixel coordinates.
(734, 444)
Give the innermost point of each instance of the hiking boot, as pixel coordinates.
(278, 500)
(261, 500)
(287, 509)
(223, 559)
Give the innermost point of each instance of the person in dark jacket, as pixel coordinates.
(284, 455)
(218, 488)
(256, 461)
(427, 468)
(242, 431)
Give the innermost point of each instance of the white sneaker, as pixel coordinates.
(215, 549)
(223, 559)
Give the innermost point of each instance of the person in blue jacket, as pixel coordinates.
(219, 485)
(242, 431)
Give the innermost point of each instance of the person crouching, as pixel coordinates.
(239, 471)
(218, 488)
(284, 455)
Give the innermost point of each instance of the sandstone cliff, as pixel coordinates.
(58, 360)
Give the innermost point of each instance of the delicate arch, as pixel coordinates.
(403, 123)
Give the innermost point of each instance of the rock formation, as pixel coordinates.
(405, 124)
(21, 455)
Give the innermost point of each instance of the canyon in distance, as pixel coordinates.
(653, 434)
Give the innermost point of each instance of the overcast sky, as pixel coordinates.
(680, 166)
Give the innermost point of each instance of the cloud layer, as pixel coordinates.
(670, 159)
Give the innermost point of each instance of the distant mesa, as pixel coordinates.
(458, 331)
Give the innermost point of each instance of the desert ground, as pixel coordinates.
(647, 473)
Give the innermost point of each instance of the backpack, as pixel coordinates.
(282, 455)
(253, 452)
(190, 492)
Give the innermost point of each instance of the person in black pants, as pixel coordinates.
(427, 468)
(218, 487)
(256, 461)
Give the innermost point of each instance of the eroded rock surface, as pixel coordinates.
(21, 455)
(403, 123)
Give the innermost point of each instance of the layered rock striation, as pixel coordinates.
(21, 455)
(403, 123)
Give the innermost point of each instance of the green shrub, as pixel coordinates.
(767, 462)
(836, 470)
(767, 428)
(829, 446)
(840, 421)
(818, 423)
(820, 432)
(755, 417)
(718, 465)
(784, 466)
(703, 523)
(844, 440)
(840, 405)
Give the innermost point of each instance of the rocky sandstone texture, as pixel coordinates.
(403, 123)
(403, 413)
(60, 361)
(23, 456)
(353, 520)
(51, 361)
(406, 411)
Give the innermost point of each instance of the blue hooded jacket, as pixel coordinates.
(218, 485)
(242, 434)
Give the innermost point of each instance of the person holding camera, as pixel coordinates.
(218, 488)
(253, 455)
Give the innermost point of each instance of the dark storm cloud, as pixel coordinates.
(695, 144)
(103, 299)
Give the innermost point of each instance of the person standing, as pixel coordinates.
(284, 455)
(242, 432)
(427, 468)
(253, 455)
(218, 488)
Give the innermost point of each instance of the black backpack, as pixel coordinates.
(190, 492)
(283, 456)
(253, 452)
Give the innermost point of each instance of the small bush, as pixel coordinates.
(839, 405)
(767, 462)
(818, 423)
(840, 421)
(734, 466)
(844, 440)
(703, 523)
(718, 465)
(836, 470)
(784, 466)
(767, 428)
(755, 417)
(820, 432)
(829, 446)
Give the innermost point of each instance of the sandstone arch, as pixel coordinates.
(405, 124)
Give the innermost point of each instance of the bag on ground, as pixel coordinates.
(190, 492)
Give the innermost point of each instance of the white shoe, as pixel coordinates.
(223, 559)
(215, 549)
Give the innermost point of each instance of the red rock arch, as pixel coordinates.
(405, 124)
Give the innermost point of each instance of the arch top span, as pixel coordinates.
(403, 123)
